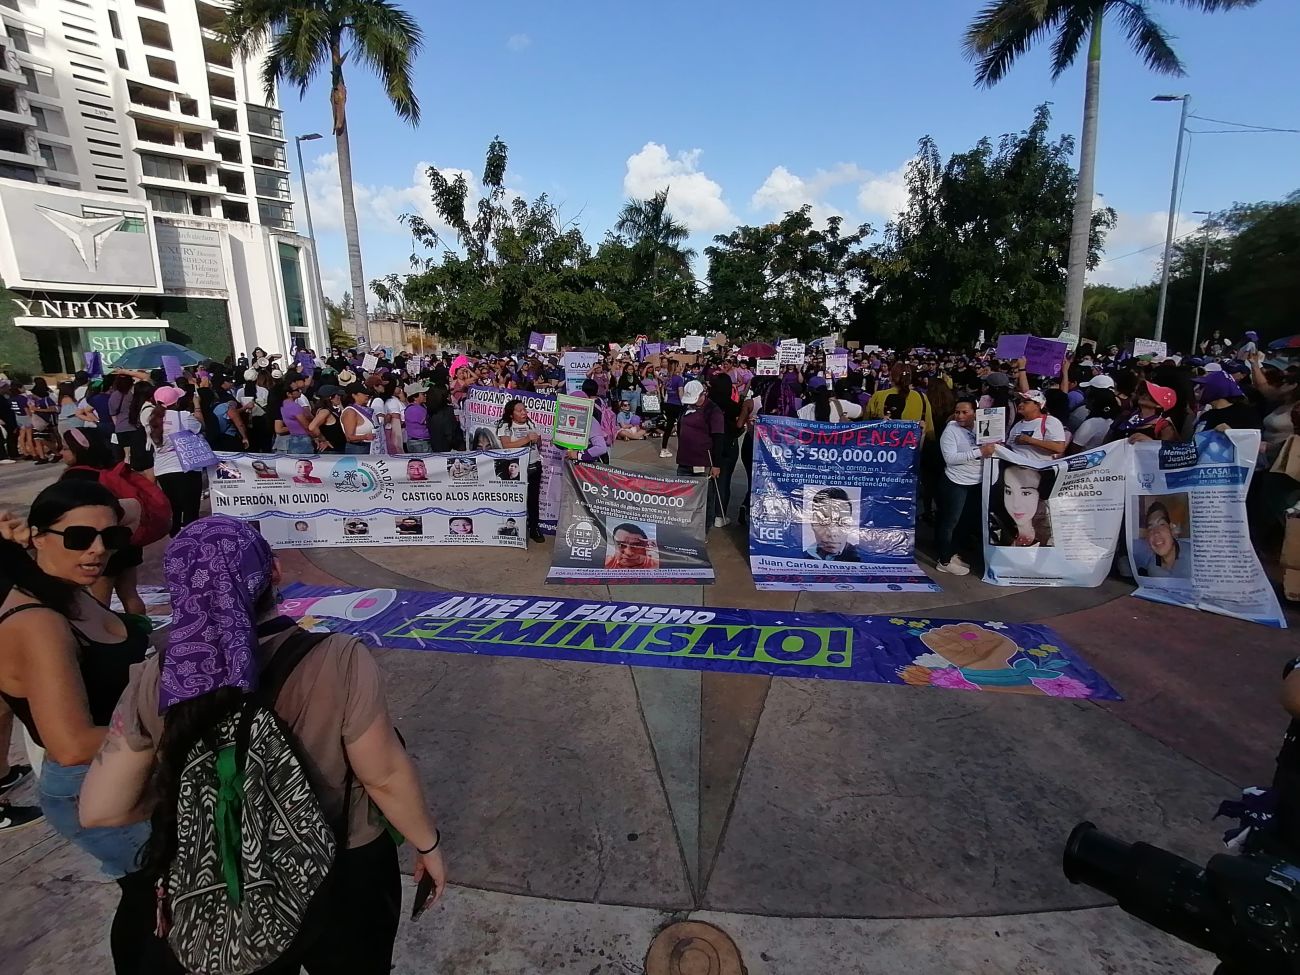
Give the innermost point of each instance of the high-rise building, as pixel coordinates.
(136, 110)
(140, 97)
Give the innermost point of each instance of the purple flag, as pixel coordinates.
(94, 364)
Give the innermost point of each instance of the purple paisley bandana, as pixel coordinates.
(216, 569)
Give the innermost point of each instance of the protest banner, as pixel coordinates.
(94, 364)
(1188, 541)
(620, 527)
(466, 499)
(791, 354)
(650, 404)
(649, 349)
(571, 429)
(1052, 522)
(1149, 347)
(998, 658)
(482, 411)
(172, 368)
(834, 506)
(991, 425)
(1043, 357)
(693, 343)
(577, 365)
(837, 364)
(766, 367)
(370, 362)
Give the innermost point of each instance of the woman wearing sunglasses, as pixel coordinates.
(64, 661)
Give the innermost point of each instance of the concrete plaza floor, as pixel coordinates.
(824, 826)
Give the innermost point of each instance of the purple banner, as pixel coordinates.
(172, 368)
(536, 340)
(1014, 658)
(651, 348)
(1043, 357)
(94, 364)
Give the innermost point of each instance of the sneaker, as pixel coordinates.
(18, 774)
(960, 561)
(536, 536)
(13, 818)
(721, 521)
(953, 567)
(665, 453)
(8, 460)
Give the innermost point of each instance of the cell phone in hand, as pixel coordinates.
(423, 891)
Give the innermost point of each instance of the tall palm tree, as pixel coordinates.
(305, 37)
(1006, 29)
(655, 234)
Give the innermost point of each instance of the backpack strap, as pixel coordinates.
(282, 663)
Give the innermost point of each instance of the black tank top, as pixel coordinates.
(333, 434)
(105, 669)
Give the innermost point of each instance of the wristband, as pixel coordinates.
(437, 839)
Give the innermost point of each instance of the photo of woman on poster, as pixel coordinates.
(1018, 507)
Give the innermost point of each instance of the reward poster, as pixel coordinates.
(834, 506)
(621, 527)
(1188, 541)
(1053, 522)
(470, 499)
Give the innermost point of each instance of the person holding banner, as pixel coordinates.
(174, 414)
(1149, 419)
(959, 490)
(514, 431)
(1037, 433)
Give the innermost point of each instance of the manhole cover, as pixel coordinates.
(693, 948)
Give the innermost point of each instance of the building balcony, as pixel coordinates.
(183, 185)
(10, 76)
(20, 157)
(177, 149)
(18, 118)
(171, 116)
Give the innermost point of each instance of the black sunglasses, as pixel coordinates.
(78, 538)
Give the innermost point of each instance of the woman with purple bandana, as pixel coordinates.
(226, 627)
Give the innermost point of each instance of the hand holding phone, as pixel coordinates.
(422, 891)
(430, 881)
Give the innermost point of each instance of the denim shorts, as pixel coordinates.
(115, 847)
(298, 443)
(417, 446)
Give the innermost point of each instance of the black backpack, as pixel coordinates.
(244, 789)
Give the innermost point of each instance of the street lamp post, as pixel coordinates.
(1173, 208)
(1200, 289)
(311, 233)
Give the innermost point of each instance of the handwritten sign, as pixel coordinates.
(1043, 357)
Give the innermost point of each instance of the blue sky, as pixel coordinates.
(750, 110)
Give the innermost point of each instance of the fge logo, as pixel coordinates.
(771, 534)
(582, 538)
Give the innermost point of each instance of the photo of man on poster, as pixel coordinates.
(832, 521)
(632, 547)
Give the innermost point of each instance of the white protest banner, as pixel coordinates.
(550, 342)
(1188, 541)
(467, 499)
(1145, 347)
(370, 362)
(577, 365)
(572, 427)
(1053, 522)
(481, 413)
(792, 354)
(693, 343)
(991, 426)
(837, 364)
(766, 367)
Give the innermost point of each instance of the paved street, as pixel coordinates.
(824, 826)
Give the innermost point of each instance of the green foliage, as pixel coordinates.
(984, 241)
(786, 279)
(1252, 280)
(517, 267)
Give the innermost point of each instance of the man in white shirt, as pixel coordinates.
(1036, 434)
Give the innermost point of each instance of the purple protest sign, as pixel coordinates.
(651, 348)
(94, 364)
(192, 451)
(172, 368)
(536, 340)
(1043, 357)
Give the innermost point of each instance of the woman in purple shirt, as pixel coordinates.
(295, 414)
(672, 404)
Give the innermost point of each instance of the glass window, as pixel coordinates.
(47, 156)
(168, 201)
(38, 114)
(291, 275)
(161, 167)
(114, 25)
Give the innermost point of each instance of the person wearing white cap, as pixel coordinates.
(1037, 433)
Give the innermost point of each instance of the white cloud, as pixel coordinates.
(378, 207)
(884, 195)
(517, 42)
(784, 191)
(693, 198)
(1135, 246)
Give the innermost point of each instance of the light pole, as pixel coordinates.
(1173, 208)
(1200, 290)
(311, 234)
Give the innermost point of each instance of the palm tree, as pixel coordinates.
(655, 234)
(1006, 29)
(303, 38)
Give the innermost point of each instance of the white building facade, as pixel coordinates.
(136, 107)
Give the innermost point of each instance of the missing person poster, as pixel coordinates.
(481, 415)
(1053, 522)
(469, 499)
(618, 527)
(834, 506)
(572, 425)
(991, 426)
(1188, 541)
